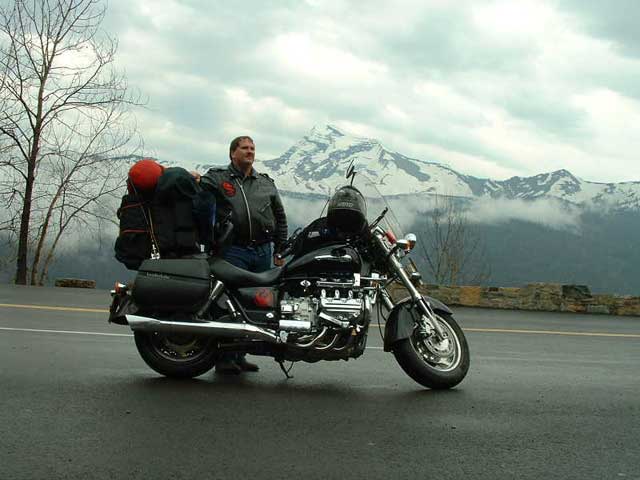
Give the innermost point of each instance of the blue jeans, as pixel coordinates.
(255, 259)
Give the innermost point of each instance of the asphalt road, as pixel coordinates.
(547, 396)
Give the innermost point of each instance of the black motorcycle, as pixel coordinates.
(342, 268)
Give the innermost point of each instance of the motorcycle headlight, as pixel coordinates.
(411, 240)
(403, 245)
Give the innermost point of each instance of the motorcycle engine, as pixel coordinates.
(326, 302)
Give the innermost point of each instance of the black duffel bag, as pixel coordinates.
(134, 243)
(175, 220)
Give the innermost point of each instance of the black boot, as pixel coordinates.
(245, 365)
(228, 366)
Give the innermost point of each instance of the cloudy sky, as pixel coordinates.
(491, 88)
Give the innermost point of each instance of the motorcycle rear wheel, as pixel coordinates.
(435, 365)
(175, 355)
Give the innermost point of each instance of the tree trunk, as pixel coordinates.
(38, 251)
(23, 238)
(23, 242)
(47, 262)
(43, 235)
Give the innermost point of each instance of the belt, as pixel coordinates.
(251, 244)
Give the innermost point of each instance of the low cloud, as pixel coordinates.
(302, 211)
(548, 212)
(408, 213)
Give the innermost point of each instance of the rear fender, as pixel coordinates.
(401, 321)
(121, 306)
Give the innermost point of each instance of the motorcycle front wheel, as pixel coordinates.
(435, 364)
(176, 355)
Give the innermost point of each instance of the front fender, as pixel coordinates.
(401, 321)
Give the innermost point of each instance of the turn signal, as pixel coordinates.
(391, 237)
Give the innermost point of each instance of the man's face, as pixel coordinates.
(243, 156)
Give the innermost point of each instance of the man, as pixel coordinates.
(258, 219)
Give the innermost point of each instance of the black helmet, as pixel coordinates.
(347, 211)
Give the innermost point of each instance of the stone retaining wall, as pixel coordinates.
(549, 297)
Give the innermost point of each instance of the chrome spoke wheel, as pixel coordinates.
(436, 363)
(441, 354)
(177, 355)
(179, 348)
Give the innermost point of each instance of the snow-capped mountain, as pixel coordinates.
(317, 163)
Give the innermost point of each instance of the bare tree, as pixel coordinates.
(453, 248)
(65, 117)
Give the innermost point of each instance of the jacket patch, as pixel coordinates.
(229, 189)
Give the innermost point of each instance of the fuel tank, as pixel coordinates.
(336, 258)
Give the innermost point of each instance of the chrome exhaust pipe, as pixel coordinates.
(217, 329)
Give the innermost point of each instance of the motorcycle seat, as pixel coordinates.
(233, 276)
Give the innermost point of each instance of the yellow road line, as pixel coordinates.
(48, 307)
(545, 332)
(553, 332)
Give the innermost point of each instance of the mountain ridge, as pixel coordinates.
(315, 165)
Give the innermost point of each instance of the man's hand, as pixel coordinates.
(278, 261)
(196, 176)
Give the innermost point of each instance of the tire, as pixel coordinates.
(176, 356)
(445, 369)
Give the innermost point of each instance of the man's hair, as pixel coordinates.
(236, 141)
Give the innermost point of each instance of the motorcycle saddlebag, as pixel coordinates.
(172, 285)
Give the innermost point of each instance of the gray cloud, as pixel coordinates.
(444, 41)
(454, 82)
(613, 21)
(547, 111)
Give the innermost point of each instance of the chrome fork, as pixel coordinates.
(416, 296)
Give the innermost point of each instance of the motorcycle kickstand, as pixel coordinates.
(285, 370)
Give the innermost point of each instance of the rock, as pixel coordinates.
(603, 309)
(75, 283)
(576, 292)
(471, 296)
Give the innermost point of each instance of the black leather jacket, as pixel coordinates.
(256, 209)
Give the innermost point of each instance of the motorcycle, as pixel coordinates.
(185, 313)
